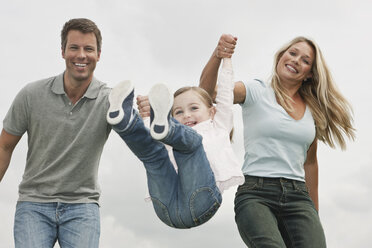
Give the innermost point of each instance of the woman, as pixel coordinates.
(277, 206)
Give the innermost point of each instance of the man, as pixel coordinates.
(65, 120)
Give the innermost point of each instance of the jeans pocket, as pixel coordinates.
(248, 185)
(302, 188)
(246, 191)
(204, 204)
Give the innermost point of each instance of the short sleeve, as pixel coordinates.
(254, 90)
(16, 120)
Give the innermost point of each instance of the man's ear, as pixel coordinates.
(99, 56)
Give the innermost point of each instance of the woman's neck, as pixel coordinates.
(291, 88)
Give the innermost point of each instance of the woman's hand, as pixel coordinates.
(226, 46)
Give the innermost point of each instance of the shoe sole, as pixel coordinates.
(161, 101)
(116, 98)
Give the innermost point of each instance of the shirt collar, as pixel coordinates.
(92, 91)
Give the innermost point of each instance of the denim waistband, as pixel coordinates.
(274, 181)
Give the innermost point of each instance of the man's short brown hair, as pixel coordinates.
(83, 25)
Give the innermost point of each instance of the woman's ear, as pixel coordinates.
(308, 79)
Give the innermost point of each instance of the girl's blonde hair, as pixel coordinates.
(332, 113)
(204, 96)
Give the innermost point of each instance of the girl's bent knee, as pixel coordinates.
(162, 212)
(204, 203)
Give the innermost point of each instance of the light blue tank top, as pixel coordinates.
(275, 144)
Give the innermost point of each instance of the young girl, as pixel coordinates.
(186, 192)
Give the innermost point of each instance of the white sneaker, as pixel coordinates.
(121, 104)
(161, 102)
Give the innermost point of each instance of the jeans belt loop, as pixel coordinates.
(294, 183)
(260, 182)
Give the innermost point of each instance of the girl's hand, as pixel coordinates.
(143, 105)
(226, 46)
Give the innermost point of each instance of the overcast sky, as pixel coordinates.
(170, 41)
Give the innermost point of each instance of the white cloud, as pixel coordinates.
(117, 234)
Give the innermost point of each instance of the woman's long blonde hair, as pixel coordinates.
(332, 113)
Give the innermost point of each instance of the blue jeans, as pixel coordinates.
(277, 212)
(40, 225)
(182, 200)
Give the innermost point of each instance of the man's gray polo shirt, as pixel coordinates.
(65, 141)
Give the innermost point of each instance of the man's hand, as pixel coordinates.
(143, 105)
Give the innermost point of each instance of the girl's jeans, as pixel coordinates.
(182, 200)
(277, 212)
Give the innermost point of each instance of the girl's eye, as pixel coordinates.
(178, 112)
(306, 62)
(194, 108)
(292, 53)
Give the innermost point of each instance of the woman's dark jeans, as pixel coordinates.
(277, 212)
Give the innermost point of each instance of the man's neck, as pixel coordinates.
(75, 89)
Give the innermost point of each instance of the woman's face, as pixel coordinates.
(296, 63)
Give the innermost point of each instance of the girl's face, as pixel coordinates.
(296, 63)
(189, 109)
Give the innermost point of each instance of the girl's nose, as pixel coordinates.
(187, 114)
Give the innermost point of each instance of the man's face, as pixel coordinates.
(81, 55)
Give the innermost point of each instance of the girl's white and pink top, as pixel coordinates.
(216, 134)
